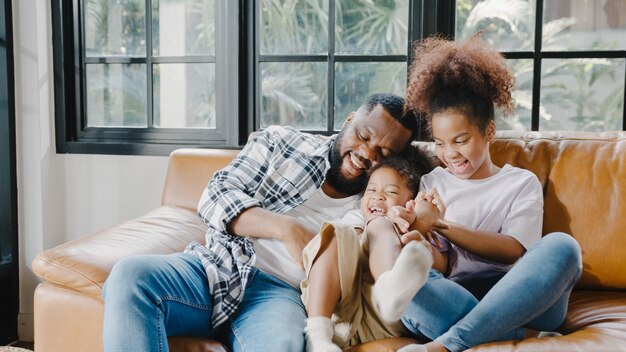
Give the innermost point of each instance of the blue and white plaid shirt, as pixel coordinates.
(278, 169)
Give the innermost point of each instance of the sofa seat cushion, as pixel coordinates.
(596, 321)
(85, 263)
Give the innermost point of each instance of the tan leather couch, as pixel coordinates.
(584, 181)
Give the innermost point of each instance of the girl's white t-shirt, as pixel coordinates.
(509, 202)
(272, 256)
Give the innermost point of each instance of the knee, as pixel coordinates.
(290, 340)
(128, 276)
(284, 338)
(387, 237)
(565, 249)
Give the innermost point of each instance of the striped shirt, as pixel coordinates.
(278, 169)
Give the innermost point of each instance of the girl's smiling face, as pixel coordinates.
(385, 189)
(461, 146)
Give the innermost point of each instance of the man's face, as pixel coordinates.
(363, 141)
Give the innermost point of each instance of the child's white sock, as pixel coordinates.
(319, 335)
(413, 348)
(395, 288)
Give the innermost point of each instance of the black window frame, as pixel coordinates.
(538, 56)
(9, 271)
(72, 133)
(72, 136)
(426, 18)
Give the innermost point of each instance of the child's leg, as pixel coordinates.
(399, 272)
(384, 248)
(326, 289)
(323, 295)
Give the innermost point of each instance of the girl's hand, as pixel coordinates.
(401, 217)
(433, 197)
(412, 236)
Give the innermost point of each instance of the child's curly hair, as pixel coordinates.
(470, 76)
(412, 163)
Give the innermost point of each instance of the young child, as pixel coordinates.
(502, 275)
(366, 281)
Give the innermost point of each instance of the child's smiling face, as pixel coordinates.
(385, 189)
(461, 146)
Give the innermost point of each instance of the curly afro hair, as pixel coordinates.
(412, 163)
(469, 76)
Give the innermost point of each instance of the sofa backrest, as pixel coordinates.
(189, 171)
(584, 184)
(583, 177)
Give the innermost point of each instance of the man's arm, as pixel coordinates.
(228, 203)
(230, 190)
(260, 223)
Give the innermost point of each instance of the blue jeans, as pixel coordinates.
(148, 298)
(533, 294)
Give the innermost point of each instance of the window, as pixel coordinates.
(568, 57)
(318, 60)
(149, 76)
(142, 77)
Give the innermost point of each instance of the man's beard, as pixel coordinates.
(334, 177)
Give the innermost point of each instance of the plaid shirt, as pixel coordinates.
(278, 169)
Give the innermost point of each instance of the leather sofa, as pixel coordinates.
(584, 181)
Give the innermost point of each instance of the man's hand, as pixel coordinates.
(296, 236)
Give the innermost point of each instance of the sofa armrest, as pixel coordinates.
(85, 263)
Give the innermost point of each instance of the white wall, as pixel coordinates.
(63, 196)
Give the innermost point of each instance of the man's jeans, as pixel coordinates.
(533, 294)
(148, 298)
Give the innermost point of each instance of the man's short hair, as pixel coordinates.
(394, 106)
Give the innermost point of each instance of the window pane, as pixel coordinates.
(584, 25)
(115, 28)
(183, 27)
(509, 25)
(294, 94)
(116, 95)
(369, 27)
(521, 119)
(184, 95)
(354, 81)
(294, 27)
(583, 94)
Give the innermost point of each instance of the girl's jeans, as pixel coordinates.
(148, 298)
(533, 294)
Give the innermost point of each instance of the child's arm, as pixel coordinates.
(497, 247)
(494, 246)
(417, 226)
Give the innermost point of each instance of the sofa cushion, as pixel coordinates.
(584, 183)
(189, 171)
(85, 263)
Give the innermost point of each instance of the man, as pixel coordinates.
(262, 210)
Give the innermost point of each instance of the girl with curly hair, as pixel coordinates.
(503, 280)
